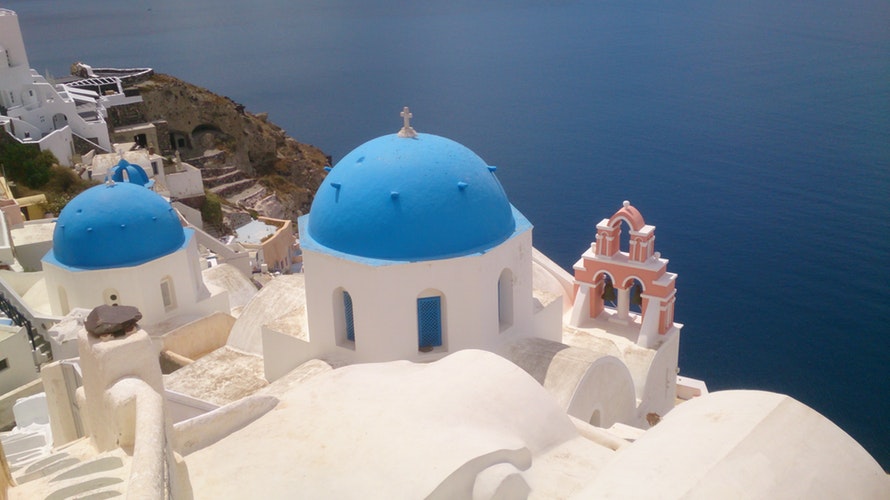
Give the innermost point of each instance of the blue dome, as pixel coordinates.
(411, 199)
(115, 225)
(134, 174)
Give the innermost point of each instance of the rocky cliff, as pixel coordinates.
(199, 124)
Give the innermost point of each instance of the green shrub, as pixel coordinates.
(211, 210)
(26, 164)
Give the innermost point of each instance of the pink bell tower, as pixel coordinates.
(640, 263)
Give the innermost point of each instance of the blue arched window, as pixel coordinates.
(347, 315)
(429, 323)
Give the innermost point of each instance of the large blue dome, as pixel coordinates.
(115, 225)
(419, 198)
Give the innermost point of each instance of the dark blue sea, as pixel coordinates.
(755, 135)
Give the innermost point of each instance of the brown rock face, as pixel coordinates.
(194, 120)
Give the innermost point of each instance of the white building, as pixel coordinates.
(176, 180)
(428, 352)
(412, 251)
(422, 229)
(16, 359)
(34, 111)
(120, 243)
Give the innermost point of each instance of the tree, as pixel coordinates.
(26, 164)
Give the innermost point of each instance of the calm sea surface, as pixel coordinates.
(755, 135)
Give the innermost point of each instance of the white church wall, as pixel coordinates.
(139, 286)
(605, 394)
(384, 301)
(282, 353)
(659, 393)
(594, 387)
(547, 322)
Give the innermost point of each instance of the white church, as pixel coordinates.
(427, 351)
(121, 243)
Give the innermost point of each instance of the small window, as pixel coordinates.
(112, 297)
(344, 319)
(347, 314)
(429, 323)
(505, 299)
(4, 364)
(168, 294)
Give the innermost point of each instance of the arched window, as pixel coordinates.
(505, 299)
(636, 296)
(347, 316)
(609, 295)
(429, 322)
(168, 293)
(344, 320)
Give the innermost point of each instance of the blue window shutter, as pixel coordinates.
(429, 322)
(347, 311)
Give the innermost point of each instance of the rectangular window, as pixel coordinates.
(167, 294)
(429, 323)
(347, 312)
(4, 364)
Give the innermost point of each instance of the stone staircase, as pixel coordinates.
(224, 179)
(232, 189)
(218, 176)
(59, 475)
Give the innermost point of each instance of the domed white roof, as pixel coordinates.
(115, 225)
(411, 198)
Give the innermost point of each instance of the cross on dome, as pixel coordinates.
(407, 131)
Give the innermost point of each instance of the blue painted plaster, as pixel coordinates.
(307, 242)
(135, 174)
(115, 225)
(410, 199)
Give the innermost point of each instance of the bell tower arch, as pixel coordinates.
(638, 276)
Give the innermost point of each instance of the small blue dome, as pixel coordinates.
(134, 174)
(419, 198)
(115, 225)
